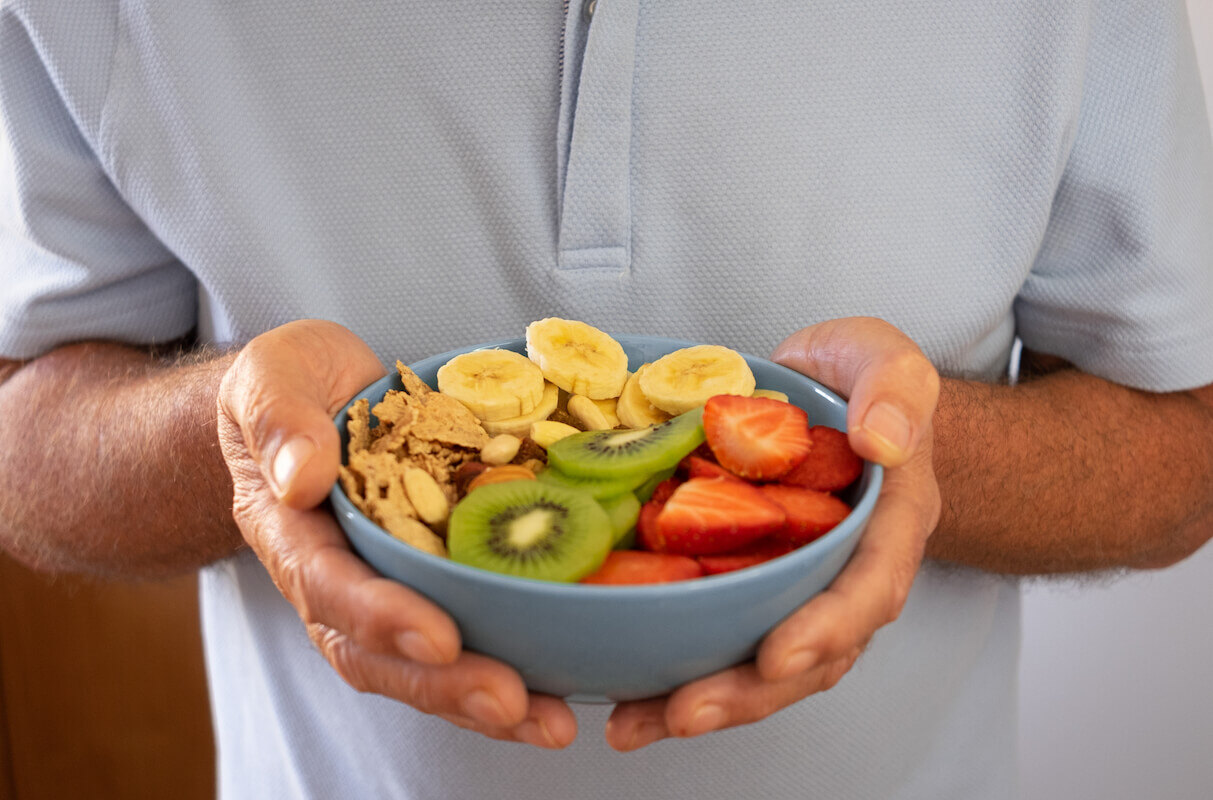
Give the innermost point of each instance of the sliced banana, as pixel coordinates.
(520, 426)
(493, 384)
(577, 357)
(607, 407)
(686, 378)
(773, 394)
(588, 414)
(548, 432)
(633, 408)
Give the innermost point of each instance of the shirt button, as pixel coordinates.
(590, 6)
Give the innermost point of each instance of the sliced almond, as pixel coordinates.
(501, 449)
(426, 496)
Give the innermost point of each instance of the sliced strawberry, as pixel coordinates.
(637, 566)
(695, 467)
(809, 513)
(713, 515)
(754, 553)
(664, 490)
(646, 525)
(756, 437)
(831, 464)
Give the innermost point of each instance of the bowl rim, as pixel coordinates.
(789, 562)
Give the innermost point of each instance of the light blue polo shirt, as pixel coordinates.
(437, 174)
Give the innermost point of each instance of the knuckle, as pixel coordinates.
(342, 655)
(419, 692)
(293, 578)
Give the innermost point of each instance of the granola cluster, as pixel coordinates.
(420, 440)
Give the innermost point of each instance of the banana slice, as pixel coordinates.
(493, 384)
(577, 357)
(773, 394)
(520, 426)
(588, 414)
(633, 408)
(686, 378)
(607, 407)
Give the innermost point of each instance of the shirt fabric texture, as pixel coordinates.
(437, 174)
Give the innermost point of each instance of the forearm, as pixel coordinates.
(111, 462)
(1068, 473)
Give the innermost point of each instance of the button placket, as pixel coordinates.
(595, 207)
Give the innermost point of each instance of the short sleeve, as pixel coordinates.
(75, 261)
(1123, 284)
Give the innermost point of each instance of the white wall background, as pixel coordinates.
(1117, 677)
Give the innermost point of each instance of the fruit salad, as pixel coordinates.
(562, 465)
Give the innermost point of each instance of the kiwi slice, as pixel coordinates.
(622, 510)
(598, 488)
(531, 530)
(617, 453)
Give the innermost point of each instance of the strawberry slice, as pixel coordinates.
(831, 464)
(809, 513)
(646, 523)
(713, 515)
(695, 467)
(756, 437)
(752, 554)
(625, 567)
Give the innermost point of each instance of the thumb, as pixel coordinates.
(277, 403)
(891, 387)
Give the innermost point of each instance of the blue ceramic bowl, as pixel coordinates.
(614, 643)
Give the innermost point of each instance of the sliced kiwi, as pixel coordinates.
(622, 510)
(617, 453)
(531, 530)
(598, 488)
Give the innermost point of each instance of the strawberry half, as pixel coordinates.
(695, 467)
(713, 515)
(751, 555)
(756, 437)
(646, 523)
(830, 465)
(809, 513)
(625, 567)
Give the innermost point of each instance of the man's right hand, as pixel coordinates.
(276, 406)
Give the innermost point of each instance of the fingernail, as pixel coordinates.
(534, 732)
(417, 646)
(796, 663)
(708, 717)
(483, 705)
(887, 424)
(289, 459)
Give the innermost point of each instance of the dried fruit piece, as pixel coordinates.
(502, 474)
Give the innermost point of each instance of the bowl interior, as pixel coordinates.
(622, 625)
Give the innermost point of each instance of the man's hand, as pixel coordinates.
(893, 390)
(276, 405)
